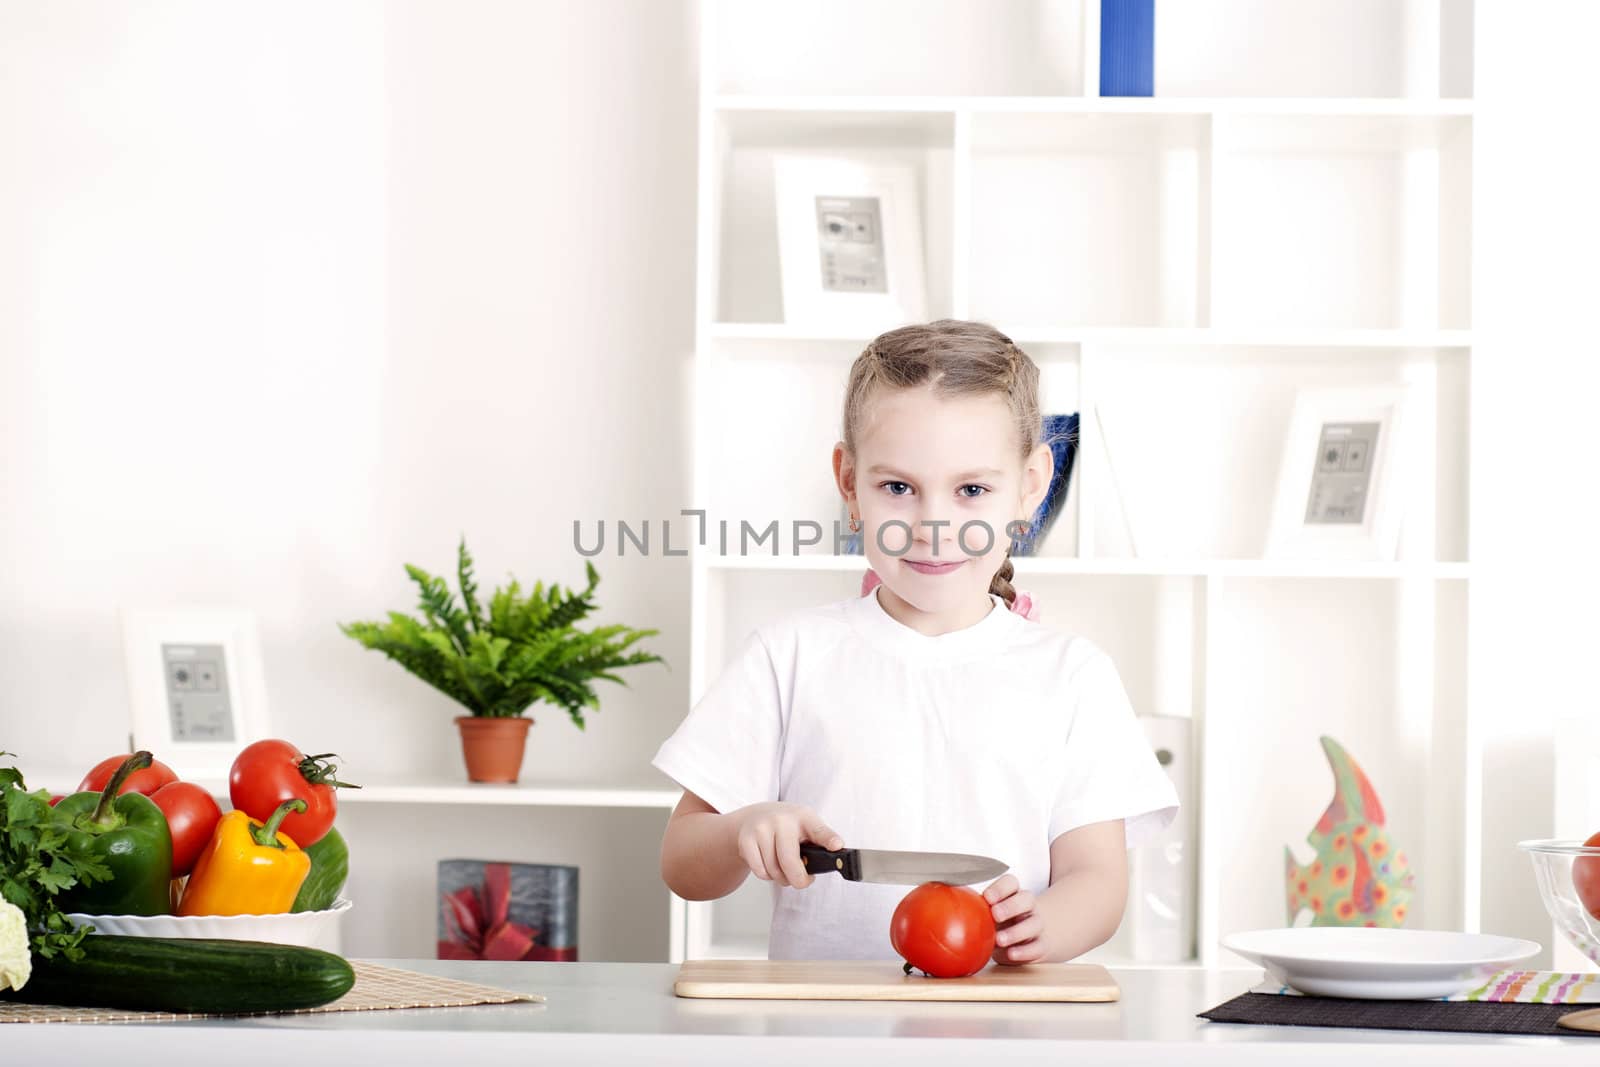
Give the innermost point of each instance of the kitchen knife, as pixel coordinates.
(900, 868)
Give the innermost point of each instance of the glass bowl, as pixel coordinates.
(1553, 864)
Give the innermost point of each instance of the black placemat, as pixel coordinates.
(1465, 1016)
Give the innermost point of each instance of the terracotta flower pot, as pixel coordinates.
(493, 747)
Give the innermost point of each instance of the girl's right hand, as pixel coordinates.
(769, 840)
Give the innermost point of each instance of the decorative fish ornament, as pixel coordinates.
(1359, 877)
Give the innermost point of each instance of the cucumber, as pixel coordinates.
(330, 866)
(188, 975)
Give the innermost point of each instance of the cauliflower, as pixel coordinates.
(15, 962)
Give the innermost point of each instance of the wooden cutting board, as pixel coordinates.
(885, 980)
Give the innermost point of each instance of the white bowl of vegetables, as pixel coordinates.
(275, 789)
(312, 929)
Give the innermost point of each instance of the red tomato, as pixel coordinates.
(267, 773)
(146, 781)
(946, 931)
(1586, 877)
(57, 798)
(192, 815)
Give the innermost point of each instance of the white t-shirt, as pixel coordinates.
(993, 740)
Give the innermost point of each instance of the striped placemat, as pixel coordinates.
(1508, 986)
(376, 989)
(1470, 1017)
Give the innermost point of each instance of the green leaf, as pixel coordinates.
(469, 587)
(486, 653)
(438, 605)
(38, 862)
(519, 648)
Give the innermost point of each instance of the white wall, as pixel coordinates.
(293, 294)
(1536, 376)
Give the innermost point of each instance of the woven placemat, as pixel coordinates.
(1470, 1017)
(376, 989)
(1526, 987)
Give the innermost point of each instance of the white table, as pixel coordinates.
(625, 1013)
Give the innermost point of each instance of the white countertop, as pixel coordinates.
(604, 1013)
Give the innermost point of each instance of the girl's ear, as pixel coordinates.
(844, 470)
(1036, 473)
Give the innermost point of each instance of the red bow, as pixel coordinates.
(480, 928)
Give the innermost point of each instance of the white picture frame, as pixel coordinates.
(827, 283)
(219, 712)
(1338, 492)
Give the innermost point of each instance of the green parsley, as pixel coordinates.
(37, 863)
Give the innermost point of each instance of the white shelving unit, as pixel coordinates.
(1293, 209)
(441, 791)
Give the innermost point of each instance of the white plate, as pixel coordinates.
(1377, 963)
(313, 929)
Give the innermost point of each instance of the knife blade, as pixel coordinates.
(900, 868)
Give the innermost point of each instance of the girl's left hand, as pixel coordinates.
(1019, 931)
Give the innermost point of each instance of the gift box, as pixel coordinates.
(492, 910)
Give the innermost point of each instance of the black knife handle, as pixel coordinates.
(819, 860)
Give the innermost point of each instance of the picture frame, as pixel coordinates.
(196, 687)
(849, 242)
(1339, 476)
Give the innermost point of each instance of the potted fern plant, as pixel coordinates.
(498, 659)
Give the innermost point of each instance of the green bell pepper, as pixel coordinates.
(129, 834)
(330, 867)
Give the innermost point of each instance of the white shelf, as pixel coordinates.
(1182, 265)
(1186, 222)
(1178, 568)
(513, 795)
(1154, 336)
(1377, 107)
(985, 50)
(736, 949)
(437, 792)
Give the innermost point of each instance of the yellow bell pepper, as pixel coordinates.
(248, 868)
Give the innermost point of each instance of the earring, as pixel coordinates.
(855, 523)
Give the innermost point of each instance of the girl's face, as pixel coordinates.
(936, 482)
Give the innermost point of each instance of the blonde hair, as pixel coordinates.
(956, 358)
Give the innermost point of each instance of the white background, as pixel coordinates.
(292, 295)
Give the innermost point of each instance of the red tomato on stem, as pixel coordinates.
(267, 773)
(946, 931)
(192, 816)
(146, 781)
(1586, 877)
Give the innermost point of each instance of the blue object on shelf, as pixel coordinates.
(1127, 47)
(1061, 434)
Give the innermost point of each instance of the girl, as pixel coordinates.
(926, 714)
